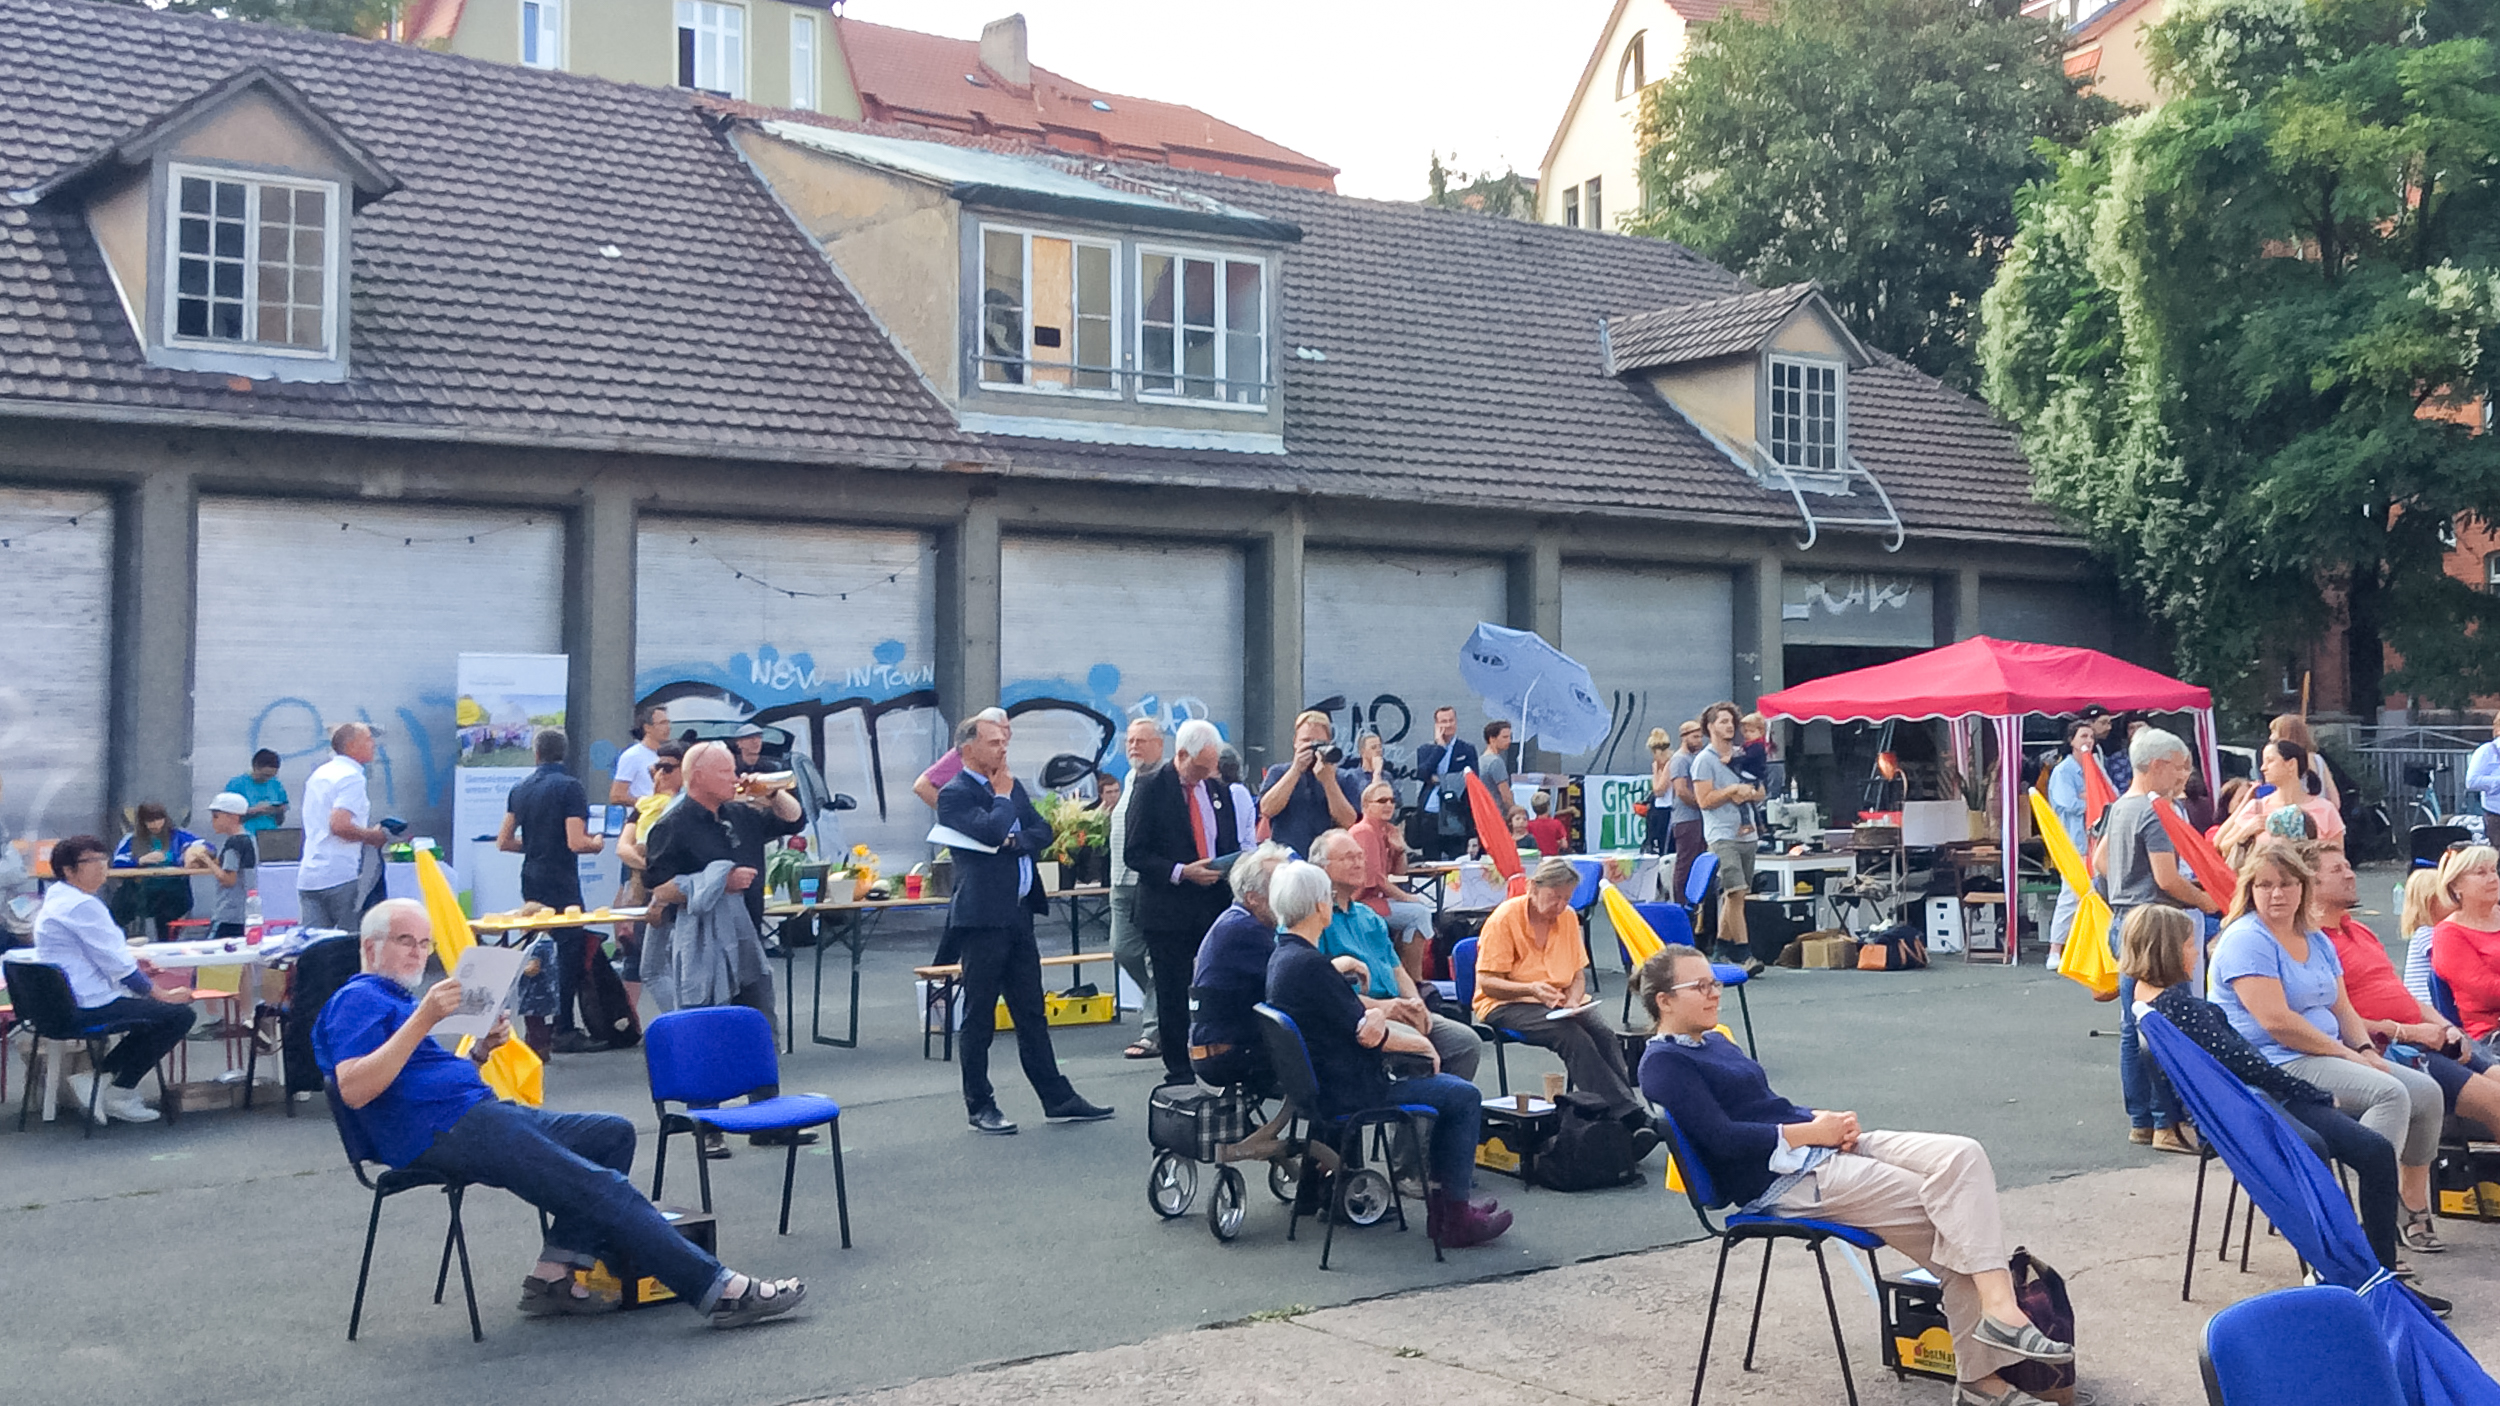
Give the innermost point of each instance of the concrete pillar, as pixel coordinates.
(1272, 672)
(1759, 662)
(599, 630)
(967, 611)
(155, 616)
(1535, 591)
(1965, 606)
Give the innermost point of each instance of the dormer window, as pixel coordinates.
(1803, 412)
(253, 262)
(1049, 313)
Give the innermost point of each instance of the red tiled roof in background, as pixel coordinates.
(903, 76)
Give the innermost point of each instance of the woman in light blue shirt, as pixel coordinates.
(2283, 989)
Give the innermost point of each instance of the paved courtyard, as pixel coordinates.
(213, 1261)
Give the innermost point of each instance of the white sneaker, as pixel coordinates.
(124, 1104)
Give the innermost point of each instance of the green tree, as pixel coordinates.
(1509, 194)
(2244, 337)
(1874, 146)
(367, 17)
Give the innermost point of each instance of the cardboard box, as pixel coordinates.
(1830, 953)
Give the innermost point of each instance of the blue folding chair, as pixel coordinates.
(1463, 967)
(2313, 1346)
(715, 1053)
(2444, 1001)
(1290, 1058)
(1738, 1226)
(391, 1182)
(1672, 925)
(39, 994)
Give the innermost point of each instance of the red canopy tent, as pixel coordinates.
(2003, 681)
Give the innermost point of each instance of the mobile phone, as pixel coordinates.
(613, 823)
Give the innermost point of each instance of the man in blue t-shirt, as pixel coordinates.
(1307, 795)
(263, 793)
(420, 1105)
(547, 822)
(1358, 934)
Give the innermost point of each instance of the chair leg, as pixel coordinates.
(373, 1226)
(2230, 1208)
(451, 1231)
(841, 1191)
(659, 1159)
(2248, 1232)
(1710, 1321)
(702, 1169)
(789, 1173)
(1761, 1285)
(34, 1076)
(468, 1286)
(1744, 1004)
(1501, 1066)
(95, 1085)
(1840, 1345)
(2196, 1215)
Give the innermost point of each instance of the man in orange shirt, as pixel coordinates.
(1530, 967)
(2466, 1079)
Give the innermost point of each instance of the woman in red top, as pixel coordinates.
(2465, 950)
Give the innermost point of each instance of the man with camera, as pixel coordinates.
(1313, 793)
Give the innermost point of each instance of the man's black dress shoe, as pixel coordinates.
(990, 1120)
(1077, 1111)
(782, 1137)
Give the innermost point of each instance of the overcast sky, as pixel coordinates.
(1373, 87)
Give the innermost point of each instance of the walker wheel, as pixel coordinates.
(1366, 1196)
(1172, 1185)
(1224, 1203)
(1284, 1177)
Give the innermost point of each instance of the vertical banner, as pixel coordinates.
(504, 699)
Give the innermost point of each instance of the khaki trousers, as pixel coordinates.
(1933, 1197)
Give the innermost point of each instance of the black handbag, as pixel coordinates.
(2042, 1293)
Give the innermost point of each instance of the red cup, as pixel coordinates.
(911, 886)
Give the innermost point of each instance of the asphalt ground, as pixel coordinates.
(213, 1260)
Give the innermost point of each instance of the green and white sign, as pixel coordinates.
(1612, 823)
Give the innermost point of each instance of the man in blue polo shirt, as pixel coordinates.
(1356, 932)
(547, 822)
(420, 1105)
(1308, 795)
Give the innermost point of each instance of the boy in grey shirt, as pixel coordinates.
(238, 863)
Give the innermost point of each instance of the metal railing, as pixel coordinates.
(2401, 758)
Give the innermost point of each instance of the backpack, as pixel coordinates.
(605, 1015)
(1897, 948)
(2042, 1293)
(1590, 1149)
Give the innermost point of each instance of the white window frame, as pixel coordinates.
(2491, 573)
(806, 64)
(1223, 350)
(1592, 203)
(693, 14)
(1026, 234)
(253, 182)
(550, 33)
(1571, 207)
(1632, 69)
(1839, 372)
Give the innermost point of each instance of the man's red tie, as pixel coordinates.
(1197, 822)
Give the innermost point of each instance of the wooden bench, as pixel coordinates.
(942, 981)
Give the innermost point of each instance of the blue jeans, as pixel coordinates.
(1458, 1107)
(573, 1166)
(2150, 1101)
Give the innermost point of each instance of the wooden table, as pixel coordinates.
(853, 919)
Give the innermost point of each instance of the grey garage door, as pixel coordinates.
(1093, 633)
(828, 632)
(315, 614)
(1383, 631)
(57, 570)
(2045, 612)
(1659, 645)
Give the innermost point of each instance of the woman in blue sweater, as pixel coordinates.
(1932, 1196)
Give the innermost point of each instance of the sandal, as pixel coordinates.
(2421, 1233)
(566, 1297)
(1143, 1049)
(763, 1299)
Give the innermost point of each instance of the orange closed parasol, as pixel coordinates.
(1493, 828)
(2097, 791)
(2197, 853)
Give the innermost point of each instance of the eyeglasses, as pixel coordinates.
(410, 941)
(1707, 986)
(659, 767)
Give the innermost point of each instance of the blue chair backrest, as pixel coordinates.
(1463, 972)
(2319, 1344)
(1705, 872)
(351, 1127)
(1290, 1058)
(709, 1054)
(2444, 1000)
(1697, 1182)
(1592, 873)
(39, 993)
(1668, 920)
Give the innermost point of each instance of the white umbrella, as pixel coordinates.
(1537, 688)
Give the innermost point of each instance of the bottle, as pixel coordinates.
(252, 929)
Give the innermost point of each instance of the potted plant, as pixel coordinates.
(1076, 830)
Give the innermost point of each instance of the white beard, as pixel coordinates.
(405, 983)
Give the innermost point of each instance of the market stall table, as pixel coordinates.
(1790, 869)
(272, 953)
(853, 919)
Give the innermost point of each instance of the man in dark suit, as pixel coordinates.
(1179, 827)
(1443, 763)
(990, 924)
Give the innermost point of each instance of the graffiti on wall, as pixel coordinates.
(297, 730)
(884, 708)
(1086, 718)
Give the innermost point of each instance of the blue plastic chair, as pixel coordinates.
(1290, 1058)
(2314, 1346)
(715, 1053)
(2444, 1001)
(1584, 898)
(1672, 925)
(391, 1182)
(1463, 967)
(1738, 1226)
(1699, 879)
(39, 994)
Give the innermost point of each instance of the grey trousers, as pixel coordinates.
(2399, 1104)
(1128, 949)
(339, 907)
(1456, 1042)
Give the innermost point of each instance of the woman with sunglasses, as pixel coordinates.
(1932, 1196)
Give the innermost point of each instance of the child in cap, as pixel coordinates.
(238, 862)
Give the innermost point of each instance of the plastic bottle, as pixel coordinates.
(252, 929)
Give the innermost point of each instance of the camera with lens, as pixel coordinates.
(1329, 753)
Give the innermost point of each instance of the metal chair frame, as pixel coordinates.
(1290, 1059)
(390, 1183)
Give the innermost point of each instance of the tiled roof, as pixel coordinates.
(1463, 363)
(485, 305)
(1728, 326)
(1704, 11)
(902, 75)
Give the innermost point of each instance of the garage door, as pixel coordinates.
(1383, 631)
(2046, 612)
(1094, 633)
(315, 614)
(57, 572)
(1658, 644)
(828, 632)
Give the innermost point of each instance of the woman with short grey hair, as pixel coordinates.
(1230, 977)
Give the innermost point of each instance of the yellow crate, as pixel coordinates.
(1494, 1155)
(1931, 1351)
(1064, 1009)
